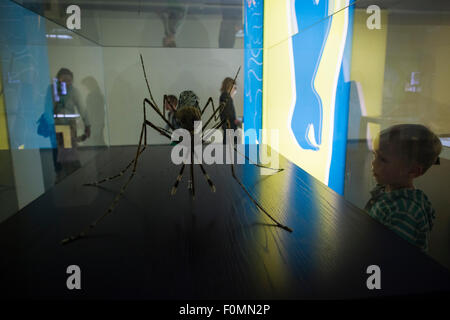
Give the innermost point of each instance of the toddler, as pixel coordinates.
(401, 154)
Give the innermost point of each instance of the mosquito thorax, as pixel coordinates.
(187, 115)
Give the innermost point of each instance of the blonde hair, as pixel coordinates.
(414, 143)
(227, 84)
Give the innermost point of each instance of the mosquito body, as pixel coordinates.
(187, 112)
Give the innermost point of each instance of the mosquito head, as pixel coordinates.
(188, 110)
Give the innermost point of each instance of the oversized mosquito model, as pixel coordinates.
(185, 115)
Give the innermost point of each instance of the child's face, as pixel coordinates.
(390, 169)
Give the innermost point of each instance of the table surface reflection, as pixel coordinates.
(218, 246)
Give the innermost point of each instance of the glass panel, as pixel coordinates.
(67, 94)
(151, 23)
(53, 106)
(336, 73)
(400, 74)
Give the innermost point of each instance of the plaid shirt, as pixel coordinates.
(408, 212)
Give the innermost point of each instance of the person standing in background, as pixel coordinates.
(231, 23)
(95, 107)
(171, 107)
(227, 93)
(171, 15)
(67, 108)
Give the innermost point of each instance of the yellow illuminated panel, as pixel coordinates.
(4, 144)
(368, 64)
(280, 90)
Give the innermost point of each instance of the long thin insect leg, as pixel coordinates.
(180, 176)
(145, 121)
(122, 190)
(210, 100)
(158, 129)
(192, 181)
(164, 105)
(206, 137)
(116, 198)
(251, 197)
(257, 164)
(211, 184)
(148, 86)
(154, 105)
(159, 113)
(165, 130)
(122, 172)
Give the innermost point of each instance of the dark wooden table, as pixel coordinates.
(218, 246)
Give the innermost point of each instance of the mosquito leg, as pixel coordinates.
(191, 183)
(211, 184)
(145, 121)
(165, 130)
(122, 190)
(257, 203)
(116, 198)
(180, 176)
(164, 105)
(121, 173)
(159, 113)
(257, 164)
(206, 137)
(153, 103)
(233, 173)
(148, 86)
(210, 100)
